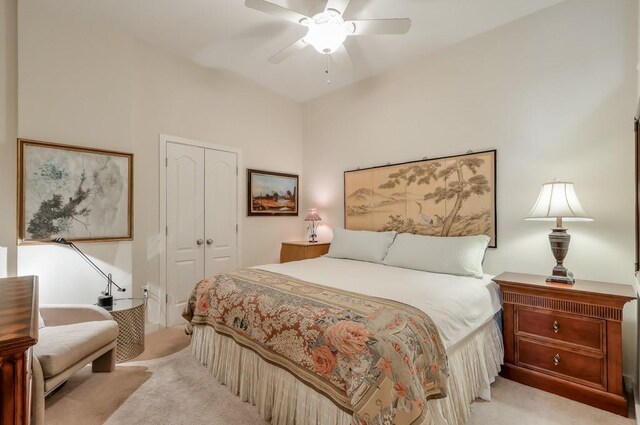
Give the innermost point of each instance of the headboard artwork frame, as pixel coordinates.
(445, 196)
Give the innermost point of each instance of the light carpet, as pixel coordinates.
(176, 390)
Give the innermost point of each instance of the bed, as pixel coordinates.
(468, 353)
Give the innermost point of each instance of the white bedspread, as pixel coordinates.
(457, 305)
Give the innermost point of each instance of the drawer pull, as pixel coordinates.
(556, 326)
(556, 360)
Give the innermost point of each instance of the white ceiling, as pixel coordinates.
(225, 35)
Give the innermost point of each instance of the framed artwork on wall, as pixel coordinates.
(448, 196)
(72, 192)
(272, 194)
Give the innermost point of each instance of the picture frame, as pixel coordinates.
(271, 193)
(421, 197)
(78, 193)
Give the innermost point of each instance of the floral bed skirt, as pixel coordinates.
(280, 397)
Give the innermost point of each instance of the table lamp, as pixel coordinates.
(105, 299)
(312, 216)
(558, 201)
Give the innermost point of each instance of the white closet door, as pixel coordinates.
(185, 226)
(221, 214)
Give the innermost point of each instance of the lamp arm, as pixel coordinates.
(107, 277)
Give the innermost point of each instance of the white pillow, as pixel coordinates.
(460, 256)
(360, 245)
(40, 320)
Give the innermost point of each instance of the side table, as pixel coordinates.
(302, 250)
(129, 313)
(565, 339)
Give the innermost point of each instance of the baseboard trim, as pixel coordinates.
(151, 327)
(637, 406)
(629, 383)
(632, 394)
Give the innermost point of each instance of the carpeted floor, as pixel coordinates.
(165, 385)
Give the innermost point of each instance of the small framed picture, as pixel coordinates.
(272, 194)
(72, 192)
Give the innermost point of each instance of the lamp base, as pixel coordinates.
(569, 280)
(105, 301)
(559, 240)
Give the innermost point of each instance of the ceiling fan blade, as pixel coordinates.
(381, 26)
(341, 57)
(288, 51)
(339, 5)
(275, 10)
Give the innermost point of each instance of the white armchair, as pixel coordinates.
(73, 336)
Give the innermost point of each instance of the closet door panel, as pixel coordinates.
(221, 213)
(185, 222)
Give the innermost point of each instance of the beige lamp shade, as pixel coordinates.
(312, 215)
(558, 200)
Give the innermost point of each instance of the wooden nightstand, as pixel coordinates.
(565, 339)
(302, 250)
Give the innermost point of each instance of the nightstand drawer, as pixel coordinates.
(579, 330)
(570, 365)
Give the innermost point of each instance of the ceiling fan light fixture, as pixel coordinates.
(327, 31)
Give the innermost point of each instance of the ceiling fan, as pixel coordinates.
(327, 30)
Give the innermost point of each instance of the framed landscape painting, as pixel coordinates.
(272, 194)
(71, 192)
(449, 196)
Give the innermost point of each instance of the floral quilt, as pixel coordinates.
(378, 359)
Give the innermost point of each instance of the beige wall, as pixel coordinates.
(554, 93)
(86, 85)
(8, 127)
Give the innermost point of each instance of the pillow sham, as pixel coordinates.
(360, 245)
(461, 256)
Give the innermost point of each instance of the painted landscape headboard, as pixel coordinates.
(449, 196)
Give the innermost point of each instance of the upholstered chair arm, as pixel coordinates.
(37, 393)
(56, 315)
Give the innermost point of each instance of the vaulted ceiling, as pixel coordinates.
(226, 35)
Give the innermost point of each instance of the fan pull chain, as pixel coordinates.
(327, 70)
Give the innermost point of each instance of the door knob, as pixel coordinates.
(209, 241)
(199, 241)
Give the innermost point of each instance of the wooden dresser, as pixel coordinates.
(302, 250)
(565, 339)
(18, 333)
